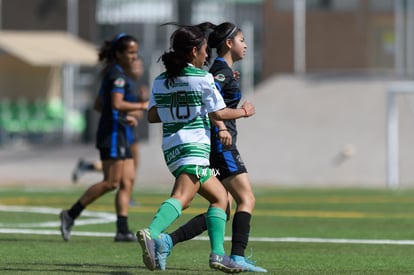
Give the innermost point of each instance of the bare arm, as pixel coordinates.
(246, 110)
(131, 119)
(118, 103)
(153, 115)
(223, 134)
(144, 95)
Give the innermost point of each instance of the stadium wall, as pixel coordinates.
(324, 130)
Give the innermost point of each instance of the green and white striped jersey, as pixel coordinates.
(183, 108)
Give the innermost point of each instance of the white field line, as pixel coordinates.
(94, 217)
(252, 239)
(104, 217)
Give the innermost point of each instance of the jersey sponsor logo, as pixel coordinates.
(119, 82)
(172, 154)
(220, 77)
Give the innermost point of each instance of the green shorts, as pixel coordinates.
(203, 173)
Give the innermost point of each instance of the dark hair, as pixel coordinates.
(182, 41)
(221, 33)
(118, 44)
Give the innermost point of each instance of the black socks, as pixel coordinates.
(75, 210)
(189, 230)
(241, 231)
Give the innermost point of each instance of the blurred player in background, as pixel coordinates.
(118, 57)
(138, 94)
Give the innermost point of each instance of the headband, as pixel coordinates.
(117, 37)
(227, 36)
(233, 30)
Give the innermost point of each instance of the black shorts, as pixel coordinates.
(132, 135)
(118, 153)
(227, 163)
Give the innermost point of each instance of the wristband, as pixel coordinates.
(219, 130)
(245, 112)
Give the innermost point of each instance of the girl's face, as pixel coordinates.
(200, 55)
(238, 47)
(127, 58)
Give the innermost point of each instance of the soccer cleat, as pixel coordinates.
(247, 264)
(148, 249)
(125, 237)
(78, 171)
(225, 264)
(163, 247)
(66, 223)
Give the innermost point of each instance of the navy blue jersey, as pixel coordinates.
(227, 83)
(112, 128)
(133, 96)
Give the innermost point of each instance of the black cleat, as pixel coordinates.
(125, 237)
(66, 223)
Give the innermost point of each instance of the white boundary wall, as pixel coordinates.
(325, 131)
(394, 89)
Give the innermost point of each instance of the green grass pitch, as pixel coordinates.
(293, 231)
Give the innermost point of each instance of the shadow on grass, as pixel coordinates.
(48, 268)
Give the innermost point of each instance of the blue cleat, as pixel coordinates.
(224, 264)
(247, 264)
(148, 249)
(163, 246)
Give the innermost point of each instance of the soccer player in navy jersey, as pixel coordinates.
(117, 56)
(139, 93)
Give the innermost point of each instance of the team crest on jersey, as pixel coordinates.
(119, 82)
(220, 77)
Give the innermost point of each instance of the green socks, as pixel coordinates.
(216, 226)
(171, 209)
(168, 212)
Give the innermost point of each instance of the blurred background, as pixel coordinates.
(331, 81)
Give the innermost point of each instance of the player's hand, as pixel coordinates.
(249, 108)
(225, 138)
(142, 105)
(132, 121)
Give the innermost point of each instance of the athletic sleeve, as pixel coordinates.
(212, 98)
(118, 83)
(222, 77)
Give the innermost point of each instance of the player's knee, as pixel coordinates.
(247, 202)
(252, 201)
(112, 185)
(127, 184)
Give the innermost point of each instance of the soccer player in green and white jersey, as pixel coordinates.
(182, 98)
